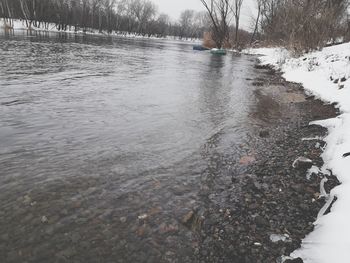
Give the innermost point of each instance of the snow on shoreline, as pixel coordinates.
(21, 25)
(325, 74)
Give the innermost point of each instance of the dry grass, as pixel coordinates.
(210, 43)
(208, 40)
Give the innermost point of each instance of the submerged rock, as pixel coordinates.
(187, 218)
(27, 200)
(44, 219)
(264, 134)
(261, 221)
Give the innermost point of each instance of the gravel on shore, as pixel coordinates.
(271, 206)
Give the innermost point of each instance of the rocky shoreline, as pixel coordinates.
(271, 206)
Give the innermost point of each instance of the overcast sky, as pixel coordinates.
(174, 8)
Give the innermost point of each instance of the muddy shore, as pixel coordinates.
(271, 206)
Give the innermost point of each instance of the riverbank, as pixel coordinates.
(325, 75)
(128, 163)
(52, 28)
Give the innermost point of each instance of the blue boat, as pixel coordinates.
(200, 48)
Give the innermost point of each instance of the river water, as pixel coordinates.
(111, 148)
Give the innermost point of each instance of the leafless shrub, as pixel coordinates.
(303, 25)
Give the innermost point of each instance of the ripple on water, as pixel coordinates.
(97, 132)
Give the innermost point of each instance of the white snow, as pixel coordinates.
(277, 238)
(317, 138)
(313, 170)
(326, 75)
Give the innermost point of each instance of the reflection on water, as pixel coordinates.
(108, 143)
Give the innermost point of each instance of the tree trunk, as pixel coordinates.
(256, 25)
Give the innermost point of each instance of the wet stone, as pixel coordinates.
(302, 163)
(258, 84)
(187, 217)
(261, 221)
(264, 134)
(27, 200)
(44, 220)
(75, 237)
(168, 228)
(297, 260)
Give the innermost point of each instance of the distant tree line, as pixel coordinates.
(129, 16)
(302, 25)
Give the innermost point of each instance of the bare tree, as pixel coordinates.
(6, 12)
(201, 24)
(186, 23)
(303, 25)
(219, 12)
(236, 10)
(108, 6)
(143, 11)
(259, 5)
(163, 24)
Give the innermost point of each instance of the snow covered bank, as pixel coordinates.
(21, 25)
(325, 74)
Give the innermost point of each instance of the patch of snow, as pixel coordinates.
(326, 75)
(323, 192)
(277, 238)
(317, 138)
(321, 213)
(313, 170)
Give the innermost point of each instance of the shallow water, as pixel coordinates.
(108, 143)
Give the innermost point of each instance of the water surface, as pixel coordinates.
(108, 143)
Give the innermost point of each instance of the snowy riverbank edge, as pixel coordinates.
(20, 25)
(326, 75)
